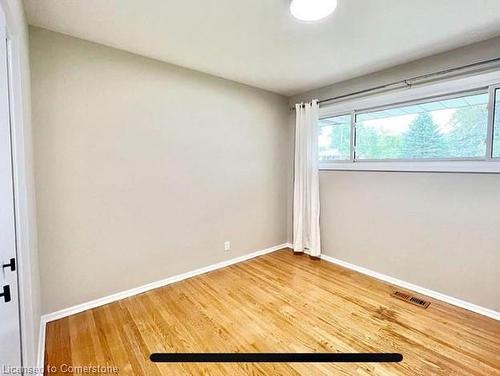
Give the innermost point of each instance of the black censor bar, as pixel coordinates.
(276, 357)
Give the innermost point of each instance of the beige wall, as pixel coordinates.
(440, 231)
(144, 169)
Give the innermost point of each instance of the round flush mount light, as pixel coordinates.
(312, 10)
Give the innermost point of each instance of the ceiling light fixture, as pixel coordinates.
(312, 10)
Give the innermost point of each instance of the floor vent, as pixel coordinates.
(411, 299)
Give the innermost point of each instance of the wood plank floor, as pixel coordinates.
(277, 303)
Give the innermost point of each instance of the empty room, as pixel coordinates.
(250, 187)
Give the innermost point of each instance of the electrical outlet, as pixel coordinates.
(227, 245)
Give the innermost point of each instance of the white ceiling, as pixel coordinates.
(257, 42)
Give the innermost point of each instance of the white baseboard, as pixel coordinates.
(138, 290)
(421, 290)
(40, 361)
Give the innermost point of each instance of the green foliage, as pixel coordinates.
(374, 144)
(468, 135)
(341, 140)
(423, 139)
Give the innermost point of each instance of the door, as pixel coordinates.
(10, 336)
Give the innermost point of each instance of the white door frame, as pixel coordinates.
(10, 347)
(23, 180)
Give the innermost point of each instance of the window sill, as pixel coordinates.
(487, 167)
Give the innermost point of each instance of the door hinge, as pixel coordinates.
(11, 265)
(6, 293)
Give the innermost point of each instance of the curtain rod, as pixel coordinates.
(410, 81)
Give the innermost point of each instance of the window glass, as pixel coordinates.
(335, 138)
(440, 129)
(496, 126)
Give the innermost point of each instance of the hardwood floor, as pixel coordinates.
(277, 303)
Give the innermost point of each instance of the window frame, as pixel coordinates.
(491, 119)
(445, 89)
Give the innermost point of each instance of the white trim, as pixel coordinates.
(40, 361)
(421, 290)
(491, 121)
(482, 166)
(138, 290)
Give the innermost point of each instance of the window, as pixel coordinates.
(496, 125)
(440, 127)
(335, 138)
(445, 128)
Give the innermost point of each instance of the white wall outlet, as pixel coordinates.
(227, 245)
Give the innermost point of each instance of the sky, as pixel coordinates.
(399, 124)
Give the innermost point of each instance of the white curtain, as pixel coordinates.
(306, 234)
